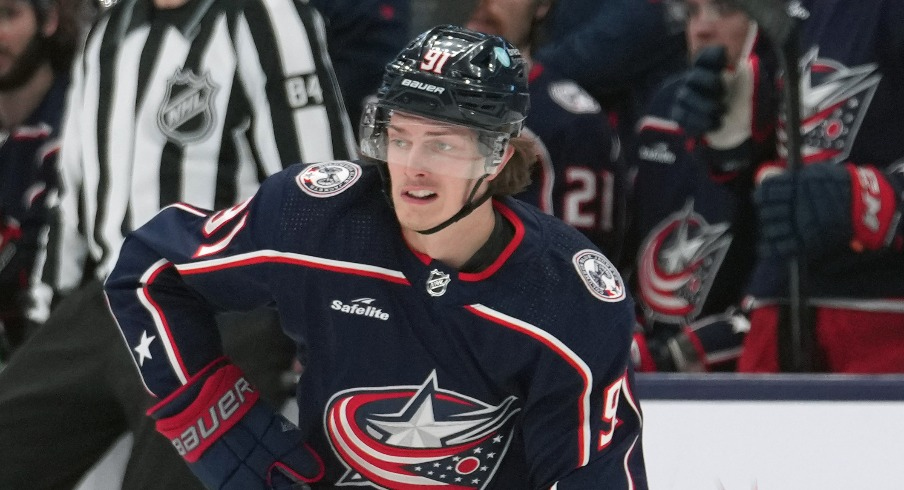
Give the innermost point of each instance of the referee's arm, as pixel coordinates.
(299, 115)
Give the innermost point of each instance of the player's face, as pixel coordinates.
(716, 22)
(19, 42)
(432, 167)
(511, 19)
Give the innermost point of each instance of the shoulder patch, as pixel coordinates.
(599, 275)
(571, 97)
(328, 178)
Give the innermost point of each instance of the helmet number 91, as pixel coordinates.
(434, 60)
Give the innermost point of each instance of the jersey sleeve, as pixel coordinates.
(181, 268)
(659, 184)
(298, 114)
(594, 435)
(628, 58)
(36, 226)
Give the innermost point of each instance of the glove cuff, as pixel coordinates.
(225, 397)
(874, 213)
(769, 169)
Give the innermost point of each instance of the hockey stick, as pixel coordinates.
(780, 20)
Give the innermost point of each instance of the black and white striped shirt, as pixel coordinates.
(195, 104)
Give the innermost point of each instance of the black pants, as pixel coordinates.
(72, 389)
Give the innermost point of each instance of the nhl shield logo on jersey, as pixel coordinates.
(328, 178)
(438, 282)
(599, 275)
(418, 436)
(187, 112)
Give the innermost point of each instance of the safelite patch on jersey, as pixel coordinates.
(600, 276)
(328, 178)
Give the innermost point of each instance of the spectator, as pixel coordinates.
(693, 231)
(581, 177)
(844, 223)
(477, 375)
(170, 101)
(37, 43)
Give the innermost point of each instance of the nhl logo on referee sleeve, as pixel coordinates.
(187, 113)
(599, 275)
(328, 178)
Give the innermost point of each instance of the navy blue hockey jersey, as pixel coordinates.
(416, 375)
(581, 174)
(852, 87)
(693, 233)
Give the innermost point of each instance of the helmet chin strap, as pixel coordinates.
(470, 206)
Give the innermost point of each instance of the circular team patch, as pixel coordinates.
(328, 178)
(571, 97)
(599, 275)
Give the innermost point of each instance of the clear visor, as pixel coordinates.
(403, 139)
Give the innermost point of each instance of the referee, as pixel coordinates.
(171, 100)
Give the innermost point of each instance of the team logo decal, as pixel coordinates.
(503, 56)
(438, 282)
(411, 437)
(678, 263)
(328, 178)
(600, 276)
(834, 101)
(187, 112)
(571, 97)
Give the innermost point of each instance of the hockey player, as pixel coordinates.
(37, 43)
(428, 306)
(844, 222)
(581, 176)
(693, 229)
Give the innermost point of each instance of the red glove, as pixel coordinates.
(874, 214)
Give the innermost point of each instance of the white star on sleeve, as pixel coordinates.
(144, 347)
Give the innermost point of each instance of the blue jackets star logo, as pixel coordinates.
(418, 436)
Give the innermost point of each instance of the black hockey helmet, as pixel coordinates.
(454, 75)
(483, 80)
(462, 78)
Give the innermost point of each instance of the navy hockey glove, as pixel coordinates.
(700, 100)
(830, 207)
(670, 351)
(230, 438)
(710, 343)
